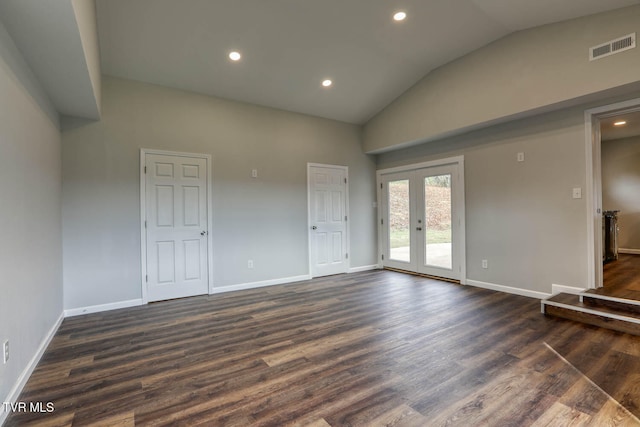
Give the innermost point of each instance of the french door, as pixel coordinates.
(421, 221)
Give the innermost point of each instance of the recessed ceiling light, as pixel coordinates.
(327, 83)
(620, 123)
(235, 56)
(399, 16)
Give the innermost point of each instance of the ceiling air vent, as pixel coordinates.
(614, 46)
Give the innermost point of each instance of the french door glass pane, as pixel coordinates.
(437, 202)
(399, 220)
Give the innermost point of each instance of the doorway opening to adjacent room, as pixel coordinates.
(175, 215)
(421, 218)
(602, 243)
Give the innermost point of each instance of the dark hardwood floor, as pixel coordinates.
(621, 278)
(378, 348)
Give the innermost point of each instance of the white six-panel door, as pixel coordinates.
(176, 226)
(328, 220)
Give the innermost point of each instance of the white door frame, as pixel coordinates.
(593, 144)
(143, 215)
(461, 244)
(310, 221)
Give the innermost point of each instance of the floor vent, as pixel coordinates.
(614, 46)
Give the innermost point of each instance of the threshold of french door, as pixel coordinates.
(428, 276)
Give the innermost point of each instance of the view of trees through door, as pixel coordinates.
(437, 218)
(422, 211)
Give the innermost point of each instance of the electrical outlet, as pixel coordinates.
(5, 351)
(254, 173)
(250, 263)
(577, 193)
(485, 263)
(520, 157)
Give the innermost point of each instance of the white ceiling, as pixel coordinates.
(289, 46)
(610, 132)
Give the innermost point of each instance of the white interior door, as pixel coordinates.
(421, 221)
(328, 220)
(176, 226)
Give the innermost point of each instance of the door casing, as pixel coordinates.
(143, 215)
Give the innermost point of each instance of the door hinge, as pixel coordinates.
(146, 278)
(382, 256)
(381, 186)
(145, 169)
(345, 217)
(145, 224)
(345, 180)
(346, 256)
(381, 221)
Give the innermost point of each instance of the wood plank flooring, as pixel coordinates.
(621, 278)
(377, 348)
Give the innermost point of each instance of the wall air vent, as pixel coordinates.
(614, 46)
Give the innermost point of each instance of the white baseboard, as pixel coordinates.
(557, 289)
(102, 307)
(216, 290)
(629, 251)
(281, 281)
(14, 394)
(508, 289)
(363, 268)
(253, 285)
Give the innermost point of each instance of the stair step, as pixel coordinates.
(569, 306)
(622, 304)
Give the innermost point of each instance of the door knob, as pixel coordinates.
(314, 228)
(203, 233)
(419, 228)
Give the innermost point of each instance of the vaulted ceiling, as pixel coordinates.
(288, 46)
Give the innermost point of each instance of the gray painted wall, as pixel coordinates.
(263, 219)
(521, 217)
(14, 64)
(621, 187)
(30, 215)
(525, 73)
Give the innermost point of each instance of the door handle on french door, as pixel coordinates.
(203, 233)
(419, 228)
(314, 228)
